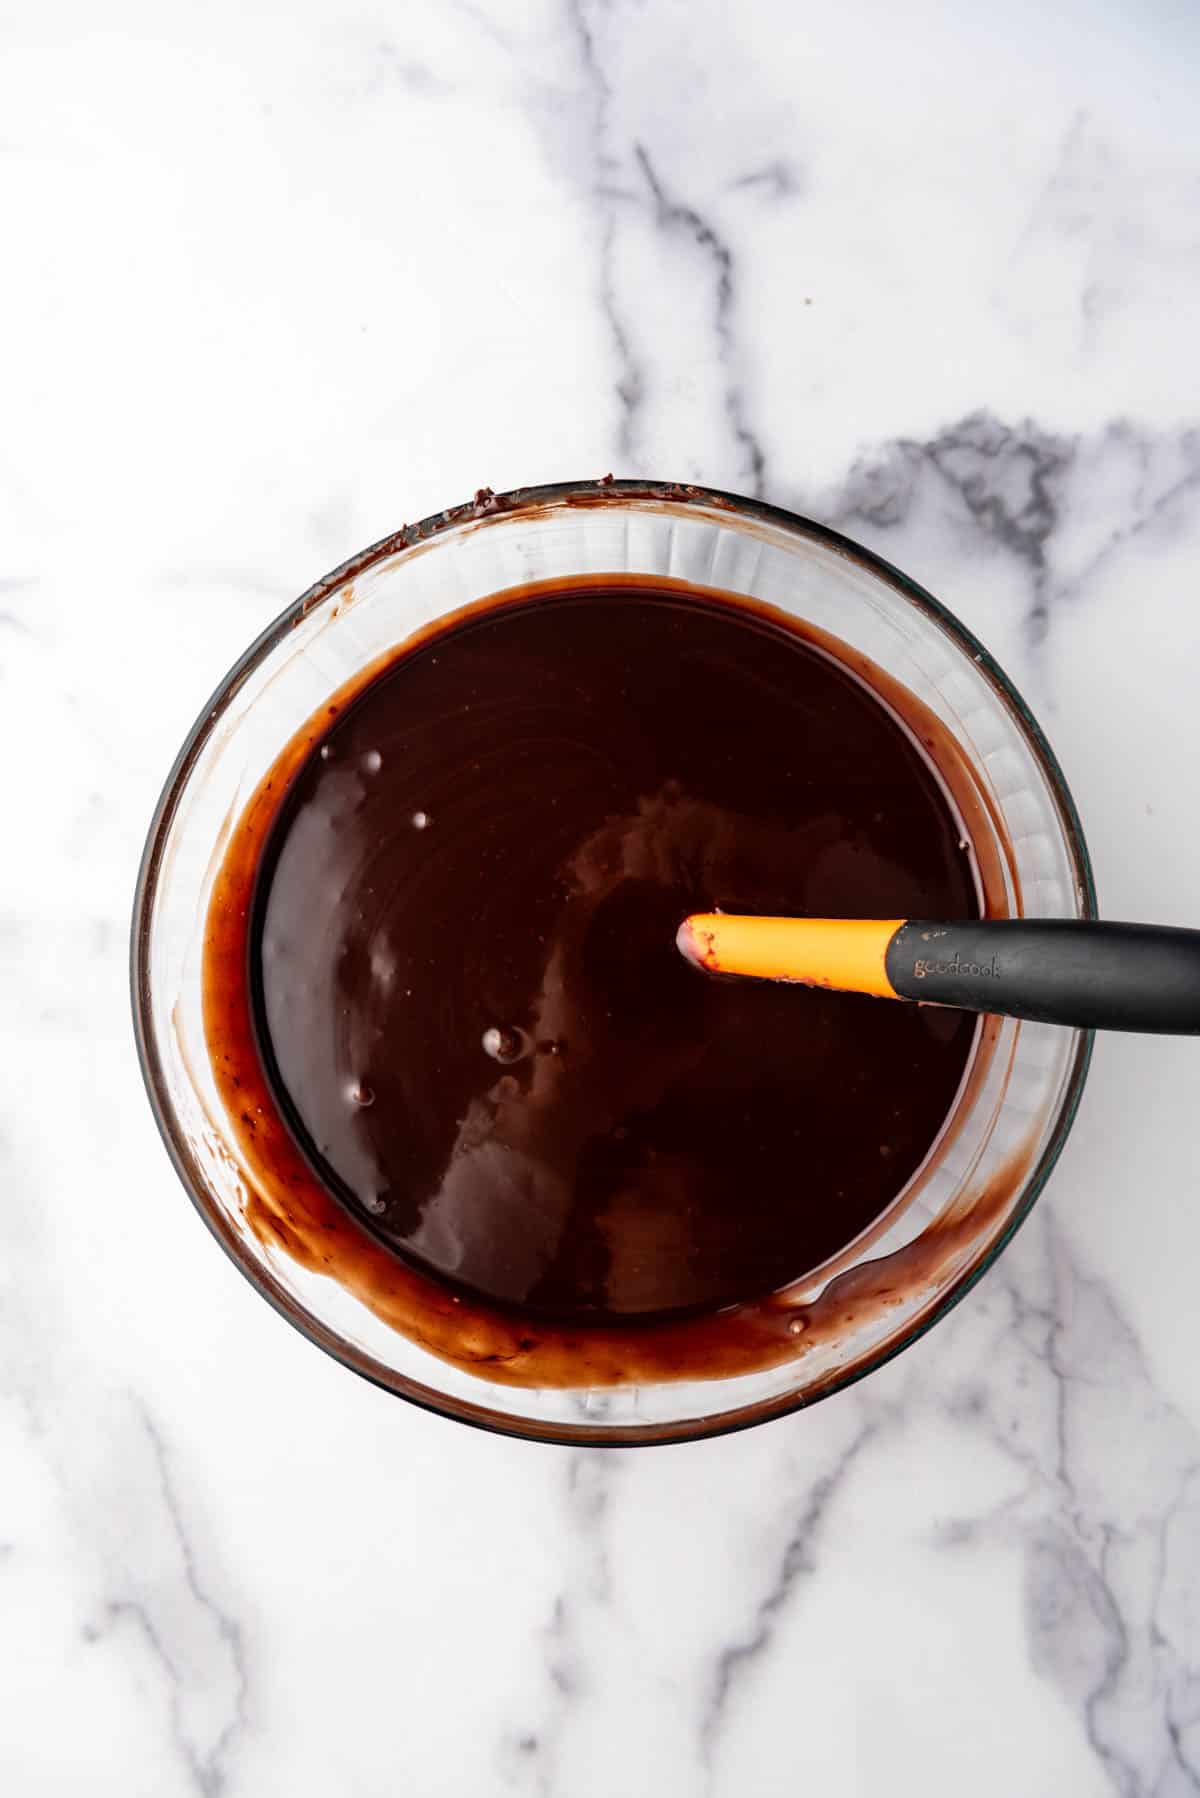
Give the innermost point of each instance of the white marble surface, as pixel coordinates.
(278, 277)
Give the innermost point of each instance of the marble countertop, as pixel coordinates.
(280, 277)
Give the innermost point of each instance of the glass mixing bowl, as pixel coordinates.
(1020, 1094)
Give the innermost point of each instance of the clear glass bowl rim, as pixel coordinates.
(525, 499)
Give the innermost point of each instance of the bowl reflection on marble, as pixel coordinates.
(1020, 1094)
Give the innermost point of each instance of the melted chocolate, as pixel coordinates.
(467, 994)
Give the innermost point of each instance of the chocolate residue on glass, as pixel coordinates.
(572, 1158)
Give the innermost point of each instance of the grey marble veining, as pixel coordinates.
(284, 279)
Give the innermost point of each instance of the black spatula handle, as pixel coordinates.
(1058, 971)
